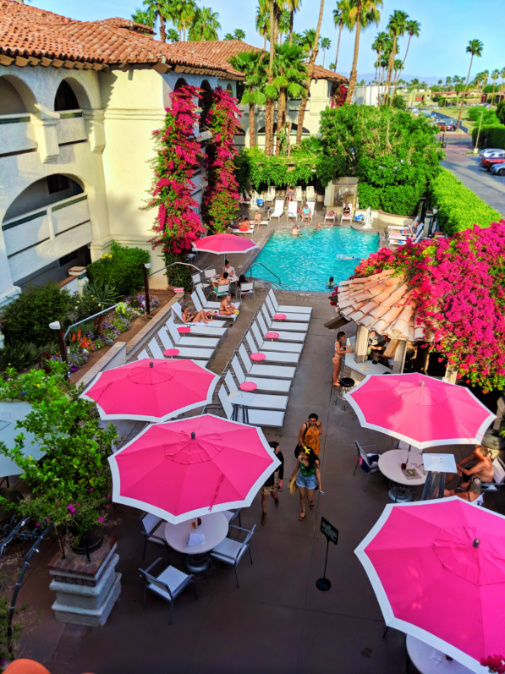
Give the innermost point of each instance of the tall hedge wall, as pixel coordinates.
(491, 135)
(459, 207)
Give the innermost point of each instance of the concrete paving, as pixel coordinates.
(489, 187)
(277, 621)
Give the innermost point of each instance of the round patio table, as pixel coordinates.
(214, 527)
(402, 488)
(183, 329)
(429, 660)
(248, 386)
(171, 352)
(258, 357)
(280, 317)
(272, 335)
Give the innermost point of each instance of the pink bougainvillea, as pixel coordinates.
(176, 225)
(458, 285)
(495, 664)
(221, 197)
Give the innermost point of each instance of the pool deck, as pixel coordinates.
(277, 621)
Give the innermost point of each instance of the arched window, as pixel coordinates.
(205, 103)
(65, 98)
(15, 96)
(42, 193)
(181, 82)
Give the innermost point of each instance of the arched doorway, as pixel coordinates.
(205, 103)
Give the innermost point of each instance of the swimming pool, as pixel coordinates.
(306, 261)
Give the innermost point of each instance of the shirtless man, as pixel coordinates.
(226, 308)
(482, 468)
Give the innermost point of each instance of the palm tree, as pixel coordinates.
(341, 19)
(397, 25)
(310, 71)
(412, 28)
(379, 46)
(448, 82)
(292, 6)
(494, 76)
(205, 25)
(252, 65)
(284, 21)
(307, 40)
(158, 10)
(239, 34)
(173, 35)
(290, 73)
(275, 8)
(146, 18)
(325, 44)
(263, 20)
(362, 14)
(474, 48)
(502, 75)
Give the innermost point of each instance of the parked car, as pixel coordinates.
(492, 161)
(491, 153)
(498, 168)
(446, 126)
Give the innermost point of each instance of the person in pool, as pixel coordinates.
(296, 230)
(331, 283)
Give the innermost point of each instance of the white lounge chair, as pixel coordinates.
(330, 215)
(184, 351)
(286, 326)
(262, 383)
(212, 306)
(292, 308)
(256, 417)
(292, 210)
(312, 206)
(398, 236)
(290, 316)
(254, 198)
(145, 354)
(266, 344)
(310, 193)
(349, 217)
(284, 335)
(257, 370)
(189, 340)
(278, 210)
(259, 400)
(211, 329)
(298, 193)
(217, 320)
(270, 195)
(272, 356)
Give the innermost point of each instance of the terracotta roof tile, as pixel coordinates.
(384, 303)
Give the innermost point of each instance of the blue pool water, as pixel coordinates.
(306, 261)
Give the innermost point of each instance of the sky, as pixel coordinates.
(446, 28)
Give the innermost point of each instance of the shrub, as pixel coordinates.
(500, 111)
(492, 135)
(399, 102)
(459, 207)
(27, 318)
(18, 355)
(396, 199)
(488, 116)
(121, 268)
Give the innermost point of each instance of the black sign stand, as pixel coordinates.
(331, 534)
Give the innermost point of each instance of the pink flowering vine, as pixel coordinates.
(176, 225)
(221, 197)
(458, 285)
(495, 663)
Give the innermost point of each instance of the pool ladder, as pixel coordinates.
(277, 284)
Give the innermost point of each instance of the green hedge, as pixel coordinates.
(459, 207)
(492, 135)
(121, 268)
(396, 199)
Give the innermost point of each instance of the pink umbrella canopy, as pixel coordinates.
(420, 410)
(224, 244)
(190, 467)
(438, 571)
(151, 389)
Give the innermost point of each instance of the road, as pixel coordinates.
(489, 187)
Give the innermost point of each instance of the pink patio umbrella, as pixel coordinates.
(438, 571)
(187, 468)
(224, 244)
(422, 411)
(151, 389)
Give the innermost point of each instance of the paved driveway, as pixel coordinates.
(489, 187)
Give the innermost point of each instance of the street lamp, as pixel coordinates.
(145, 267)
(56, 326)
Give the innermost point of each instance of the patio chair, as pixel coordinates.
(366, 459)
(293, 211)
(150, 529)
(293, 308)
(212, 306)
(268, 418)
(298, 193)
(258, 370)
(254, 198)
(291, 317)
(263, 384)
(189, 340)
(200, 356)
(231, 551)
(312, 206)
(266, 344)
(232, 515)
(168, 584)
(278, 210)
(330, 216)
(221, 291)
(246, 289)
(310, 193)
(208, 274)
(298, 337)
(259, 400)
(270, 195)
(288, 326)
(196, 279)
(213, 329)
(271, 356)
(349, 216)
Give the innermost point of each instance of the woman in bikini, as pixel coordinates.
(340, 350)
(309, 469)
(226, 308)
(194, 317)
